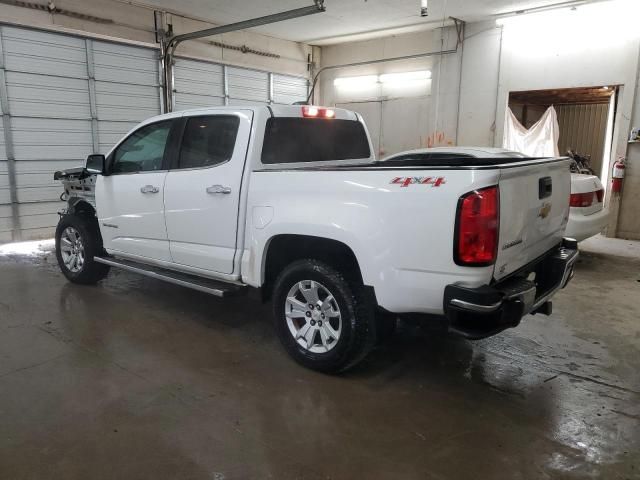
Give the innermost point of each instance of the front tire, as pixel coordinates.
(325, 322)
(77, 243)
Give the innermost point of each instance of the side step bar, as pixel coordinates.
(206, 285)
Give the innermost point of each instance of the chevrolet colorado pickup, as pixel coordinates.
(290, 200)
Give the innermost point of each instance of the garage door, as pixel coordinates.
(202, 84)
(6, 222)
(67, 97)
(197, 84)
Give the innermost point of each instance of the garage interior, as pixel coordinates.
(135, 378)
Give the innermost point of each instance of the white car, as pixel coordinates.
(290, 199)
(587, 215)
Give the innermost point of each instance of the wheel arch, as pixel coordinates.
(282, 249)
(80, 206)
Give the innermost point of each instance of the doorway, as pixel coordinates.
(585, 118)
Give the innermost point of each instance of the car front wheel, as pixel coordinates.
(77, 243)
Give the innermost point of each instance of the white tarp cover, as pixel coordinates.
(541, 140)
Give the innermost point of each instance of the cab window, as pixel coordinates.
(292, 140)
(143, 150)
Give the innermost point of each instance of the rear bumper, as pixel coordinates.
(582, 226)
(484, 311)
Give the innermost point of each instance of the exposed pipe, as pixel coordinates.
(495, 112)
(460, 33)
(173, 42)
(310, 97)
(373, 62)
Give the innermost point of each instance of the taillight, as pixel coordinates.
(600, 195)
(581, 199)
(477, 223)
(311, 111)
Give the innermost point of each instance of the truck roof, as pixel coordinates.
(271, 110)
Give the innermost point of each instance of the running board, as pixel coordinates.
(206, 285)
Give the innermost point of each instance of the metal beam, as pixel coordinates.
(8, 145)
(173, 42)
(93, 104)
(225, 83)
(318, 7)
(271, 93)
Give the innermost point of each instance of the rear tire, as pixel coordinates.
(77, 243)
(325, 322)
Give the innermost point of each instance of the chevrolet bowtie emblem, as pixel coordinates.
(545, 210)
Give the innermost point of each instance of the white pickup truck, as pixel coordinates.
(291, 200)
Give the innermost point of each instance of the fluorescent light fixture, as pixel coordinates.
(355, 82)
(364, 81)
(602, 26)
(578, 10)
(405, 76)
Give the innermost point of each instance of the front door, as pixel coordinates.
(202, 191)
(130, 199)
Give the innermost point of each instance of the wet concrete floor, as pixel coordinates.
(137, 379)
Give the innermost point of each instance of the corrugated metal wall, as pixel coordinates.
(127, 89)
(198, 84)
(583, 128)
(66, 97)
(63, 97)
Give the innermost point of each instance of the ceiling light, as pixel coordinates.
(405, 76)
(596, 26)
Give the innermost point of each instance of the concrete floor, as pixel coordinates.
(136, 379)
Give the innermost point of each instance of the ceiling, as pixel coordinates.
(344, 20)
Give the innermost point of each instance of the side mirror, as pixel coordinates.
(96, 164)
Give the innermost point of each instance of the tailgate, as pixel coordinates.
(534, 208)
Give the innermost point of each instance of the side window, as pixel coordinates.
(143, 150)
(208, 141)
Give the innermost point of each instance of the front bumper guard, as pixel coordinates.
(484, 311)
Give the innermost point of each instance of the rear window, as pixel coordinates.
(292, 140)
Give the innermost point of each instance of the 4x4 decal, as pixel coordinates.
(406, 181)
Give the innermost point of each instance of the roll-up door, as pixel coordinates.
(288, 90)
(127, 85)
(65, 97)
(6, 222)
(247, 87)
(197, 84)
(50, 119)
(200, 84)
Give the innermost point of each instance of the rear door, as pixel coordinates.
(534, 209)
(130, 199)
(202, 189)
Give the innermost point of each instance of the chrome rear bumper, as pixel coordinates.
(484, 311)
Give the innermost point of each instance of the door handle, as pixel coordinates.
(149, 189)
(219, 189)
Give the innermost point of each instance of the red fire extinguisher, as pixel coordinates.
(617, 175)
